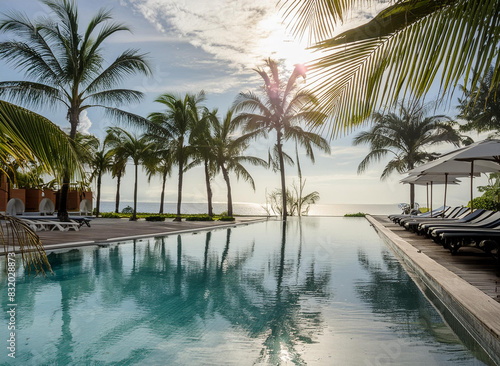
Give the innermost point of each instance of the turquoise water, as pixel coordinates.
(325, 291)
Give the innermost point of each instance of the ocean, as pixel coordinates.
(255, 209)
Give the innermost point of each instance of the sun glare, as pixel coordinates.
(281, 45)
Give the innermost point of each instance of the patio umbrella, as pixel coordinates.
(479, 157)
(426, 179)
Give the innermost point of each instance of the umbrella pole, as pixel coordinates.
(431, 198)
(471, 185)
(445, 189)
(427, 195)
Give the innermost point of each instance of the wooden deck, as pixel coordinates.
(472, 265)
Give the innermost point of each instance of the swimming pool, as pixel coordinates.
(320, 291)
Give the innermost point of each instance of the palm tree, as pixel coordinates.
(118, 166)
(101, 162)
(202, 152)
(67, 66)
(406, 135)
(172, 128)
(481, 108)
(159, 161)
(229, 149)
(401, 52)
(136, 148)
(27, 138)
(282, 110)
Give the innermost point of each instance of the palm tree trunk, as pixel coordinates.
(62, 211)
(179, 188)
(98, 201)
(117, 199)
(229, 197)
(134, 215)
(412, 196)
(162, 197)
(282, 173)
(209, 189)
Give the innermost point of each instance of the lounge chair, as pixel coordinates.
(492, 221)
(438, 211)
(38, 224)
(458, 215)
(448, 212)
(477, 216)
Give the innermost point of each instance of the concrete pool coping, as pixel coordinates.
(478, 313)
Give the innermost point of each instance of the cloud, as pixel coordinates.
(241, 32)
(85, 123)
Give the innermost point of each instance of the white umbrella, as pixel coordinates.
(479, 157)
(426, 179)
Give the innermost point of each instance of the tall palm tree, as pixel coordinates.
(406, 135)
(101, 163)
(172, 127)
(401, 52)
(282, 109)
(118, 166)
(133, 147)
(229, 152)
(67, 68)
(159, 162)
(202, 152)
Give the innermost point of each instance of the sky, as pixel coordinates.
(214, 46)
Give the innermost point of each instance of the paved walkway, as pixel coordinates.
(473, 265)
(103, 230)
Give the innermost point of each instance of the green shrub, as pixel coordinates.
(359, 214)
(485, 203)
(110, 215)
(127, 210)
(226, 218)
(199, 218)
(155, 218)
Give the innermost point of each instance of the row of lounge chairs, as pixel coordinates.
(457, 227)
(47, 223)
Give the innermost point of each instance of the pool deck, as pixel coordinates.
(466, 284)
(104, 230)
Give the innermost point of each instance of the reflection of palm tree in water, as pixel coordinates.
(285, 323)
(173, 292)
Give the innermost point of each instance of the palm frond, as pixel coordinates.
(363, 71)
(128, 63)
(33, 135)
(116, 96)
(17, 236)
(30, 93)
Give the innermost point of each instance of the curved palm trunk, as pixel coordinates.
(229, 197)
(162, 197)
(134, 215)
(209, 189)
(179, 187)
(117, 199)
(282, 173)
(98, 200)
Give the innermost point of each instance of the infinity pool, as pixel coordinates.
(320, 291)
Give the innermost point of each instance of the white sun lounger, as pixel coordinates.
(50, 225)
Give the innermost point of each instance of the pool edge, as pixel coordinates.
(477, 312)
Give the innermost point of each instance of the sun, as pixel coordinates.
(280, 45)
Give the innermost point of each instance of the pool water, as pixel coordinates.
(319, 291)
